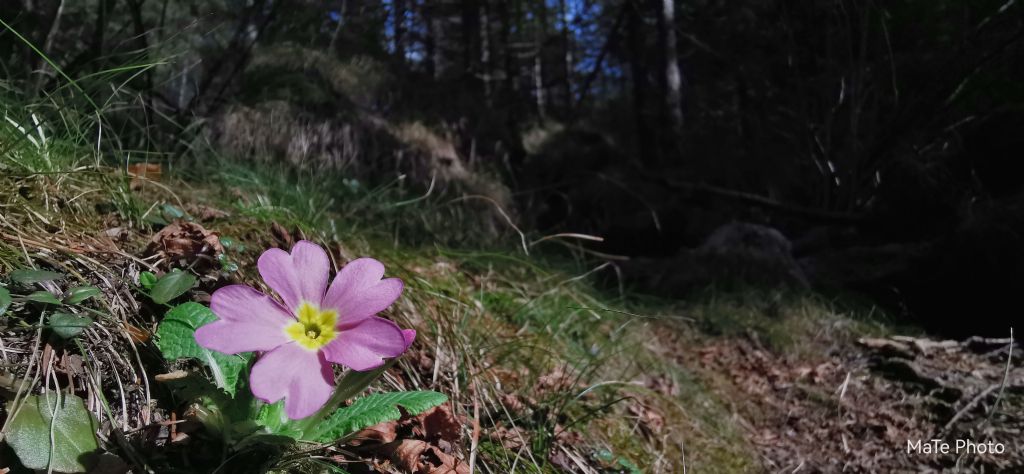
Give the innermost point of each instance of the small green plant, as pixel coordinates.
(289, 394)
(168, 286)
(52, 431)
(63, 323)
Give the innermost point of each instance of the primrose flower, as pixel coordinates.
(314, 326)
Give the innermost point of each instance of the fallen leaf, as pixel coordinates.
(142, 172)
(418, 456)
(438, 423)
(187, 244)
(138, 335)
(282, 236)
(380, 433)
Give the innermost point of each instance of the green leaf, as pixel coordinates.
(171, 285)
(147, 280)
(67, 325)
(28, 276)
(374, 409)
(42, 418)
(79, 294)
(265, 439)
(173, 212)
(194, 386)
(176, 340)
(5, 300)
(272, 417)
(154, 218)
(43, 297)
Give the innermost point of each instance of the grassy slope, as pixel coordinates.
(524, 345)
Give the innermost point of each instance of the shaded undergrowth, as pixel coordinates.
(545, 371)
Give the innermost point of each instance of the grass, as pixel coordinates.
(552, 367)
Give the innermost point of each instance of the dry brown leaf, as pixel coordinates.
(438, 424)
(651, 422)
(138, 335)
(561, 460)
(420, 457)
(281, 235)
(142, 172)
(380, 433)
(207, 213)
(511, 439)
(186, 243)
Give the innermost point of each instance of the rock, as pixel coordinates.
(738, 252)
(862, 265)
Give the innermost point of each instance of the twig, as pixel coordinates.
(999, 397)
(1002, 385)
(522, 236)
(769, 202)
(475, 443)
(963, 411)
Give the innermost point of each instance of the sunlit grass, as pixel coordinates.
(494, 320)
(497, 325)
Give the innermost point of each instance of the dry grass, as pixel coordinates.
(546, 373)
(527, 352)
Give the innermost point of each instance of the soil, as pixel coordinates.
(864, 406)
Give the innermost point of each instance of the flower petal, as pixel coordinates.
(298, 276)
(358, 291)
(235, 338)
(359, 273)
(409, 335)
(365, 345)
(303, 378)
(249, 321)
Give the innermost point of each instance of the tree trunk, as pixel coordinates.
(430, 39)
(638, 78)
(470, 20)
(485, 51)
(568, 64)
(342, 11)
(538, 59)
(47, 46)
(672, 79)
(613, 36)
(142, 43)
(398, 19)
(511, 68)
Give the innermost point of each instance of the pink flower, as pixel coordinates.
(315, 326)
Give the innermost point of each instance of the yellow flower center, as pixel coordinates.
(315, 327)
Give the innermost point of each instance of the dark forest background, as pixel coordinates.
(872, 147)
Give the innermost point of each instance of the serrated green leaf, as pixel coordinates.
(28, 276)
(147, 280)
(5, 300)
(79, 294)
(176, 340)
(171, 285)
(41, 418)
(67, 325)
(43, 297)
(374, 409)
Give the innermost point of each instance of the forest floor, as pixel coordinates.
(545, 372)
(855, 407)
